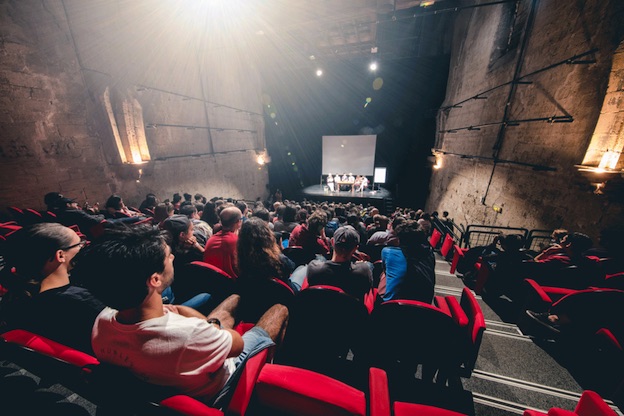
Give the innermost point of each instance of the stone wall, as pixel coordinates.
(199, 97)
(535, 182)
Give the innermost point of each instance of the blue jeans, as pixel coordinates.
(256, 340)
(195, 302)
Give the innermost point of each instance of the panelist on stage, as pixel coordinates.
(330, 182)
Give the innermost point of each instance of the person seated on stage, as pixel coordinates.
(355, 278)
(363, 184)
(337, 180)
(168, 345)
(357, 183)
(311, 235)
(351, 180)
(330, 182)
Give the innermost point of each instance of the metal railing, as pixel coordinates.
(483, 235)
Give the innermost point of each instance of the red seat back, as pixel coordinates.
(435, 238)
(447, 245)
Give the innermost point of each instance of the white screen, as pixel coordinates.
(349, 154)
(380, 175)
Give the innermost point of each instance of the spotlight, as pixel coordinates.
(373, 66)
(319, 72)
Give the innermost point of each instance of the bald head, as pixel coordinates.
(230, 218)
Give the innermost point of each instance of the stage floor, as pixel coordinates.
(318, 193)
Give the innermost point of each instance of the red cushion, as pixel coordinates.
(412, 409)
(457, 312)
(45, 346)
(304, 392)
(189, 406)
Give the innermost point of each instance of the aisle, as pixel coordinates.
(514, 372)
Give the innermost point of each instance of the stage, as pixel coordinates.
(378, 197)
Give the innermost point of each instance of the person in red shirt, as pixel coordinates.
(220, 250)
(311, 235)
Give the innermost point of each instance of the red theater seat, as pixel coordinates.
(590, 404)
(435, 238)
(447, 246)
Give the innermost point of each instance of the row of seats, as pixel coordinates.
(449, 331)
(263, 388)
(595, 311)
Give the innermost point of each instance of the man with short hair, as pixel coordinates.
(168, 345)
(356, 279)
(388, 237)
(220, 251)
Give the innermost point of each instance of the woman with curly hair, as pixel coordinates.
(260, 257)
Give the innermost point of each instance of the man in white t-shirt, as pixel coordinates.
(167, 345)
(330, 182)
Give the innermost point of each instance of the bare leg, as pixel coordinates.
(274, 322)
(226, 311)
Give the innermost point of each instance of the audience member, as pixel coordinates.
(40, 297)
(184, 244)
(168, 345)
(220, 250)
(554, 269)
(355, 278)
(260, 257)
(388, 237)
(409, 270)
(201, 230)
(116, 208)
(311, 235)
(286, 219)
(148, 204)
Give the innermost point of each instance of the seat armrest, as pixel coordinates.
(378, 392)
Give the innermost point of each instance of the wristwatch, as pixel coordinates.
(215, 321)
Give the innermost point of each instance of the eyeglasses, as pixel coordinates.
(81, 244)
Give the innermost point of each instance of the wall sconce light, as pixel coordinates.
(608, 163)
(262, 157)
(438, 160)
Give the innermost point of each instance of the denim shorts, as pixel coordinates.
(256, 340)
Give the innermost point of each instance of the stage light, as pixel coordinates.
(373, 66)
(319, 72)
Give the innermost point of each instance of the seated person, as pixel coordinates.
(40, 297)
(311, 235)
(553, 270)
(354, 278)
(260, 256)
(554, 246)
(409, 269)
(68, 213)
(386, 237)
(167, 345)
(116, 208)
(506, 265)
(201, 230)
(184, 244)
(220, 251)
(330, 182)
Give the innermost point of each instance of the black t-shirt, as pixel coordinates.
(65, 314)
(354, 278)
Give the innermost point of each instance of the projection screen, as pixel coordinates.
(349, 154)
